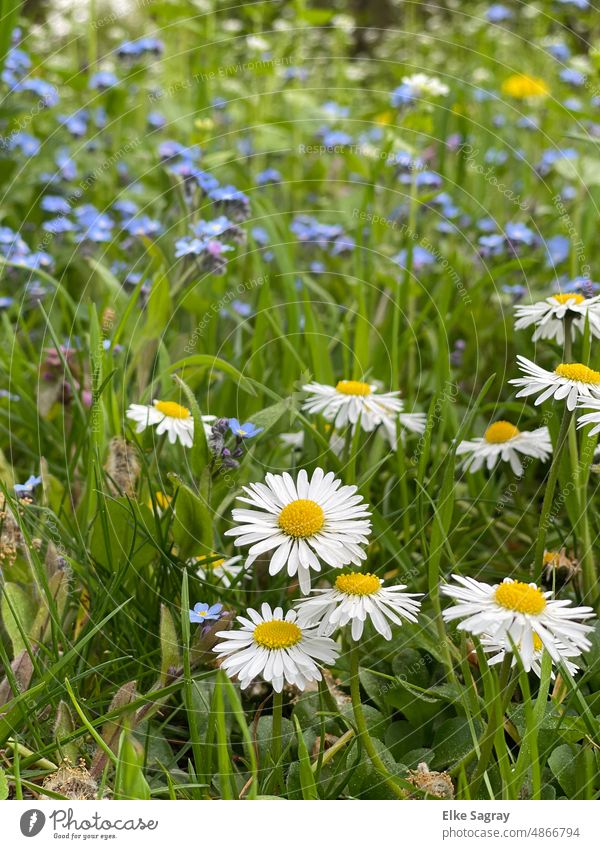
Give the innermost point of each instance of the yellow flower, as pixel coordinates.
(523, 86)
(384, 118)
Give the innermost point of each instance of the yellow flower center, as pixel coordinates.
(357, 583)
(579, 372)
(500, 432)
(206, 563)
(277, 634)
(551, 557)
(162, 501)
(172, 410)
(353, 387)
(564, 299)
(521, 597)
(301, 518)
(522, 85)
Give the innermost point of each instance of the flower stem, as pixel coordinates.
(549, 492)
(276, 740)
(506, 686)
(361, 725)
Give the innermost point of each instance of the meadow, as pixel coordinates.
(299, 392)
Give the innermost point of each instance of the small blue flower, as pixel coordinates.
(76, 124)
(66, 165)
(519, 234)
(420, 257)
(497, 13)
(269, 175)
(202, 612)
(557, 249)
(492, 245)
(29, 485)
(143, 225)
(103, 80)
(334, 138)
(139, 48)
(559, 51)
(246, 430)
(156, 120)
(46, 92)
(126, 208)
(579, 4)
(57, 225)
(26, 143)
(572, 77)
(55, 204)
(573, 104)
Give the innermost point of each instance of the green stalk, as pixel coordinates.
(506, 687)
(276, 740)
(540, 544)
(361, 725)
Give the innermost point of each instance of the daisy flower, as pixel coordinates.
(355, 597)
(422, 85)
(498, 650)
(213, 568)
(303, 523)
(513, 612)
(549, 316)
(170, 418)
(568, 380)
(203, 612)
(351, 400)
(503, 441)
(275, 647)
(593, 418)
(295, 441)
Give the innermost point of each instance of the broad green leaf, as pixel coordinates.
(192, 525)
(18, 615)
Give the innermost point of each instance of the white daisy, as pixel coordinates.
(351, 400)
(354, 597)
(515, 611)
(213, 568)
(584, 403)
(503, 441)
(275, 647)
(498, 650)
(422, 85)
(548, 316)
(303, 523)
(170, 418)
(295, 441)
(568, 380)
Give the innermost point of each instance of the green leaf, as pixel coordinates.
(192, 526)
(3, 786)
(18, 614)
(131, 782)
(562, 762)
(206, 361)
(199, 453)
(119, 533)
(270, 415)
(452, 741)
(307, 779)
(159, 309)
(169, 643)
